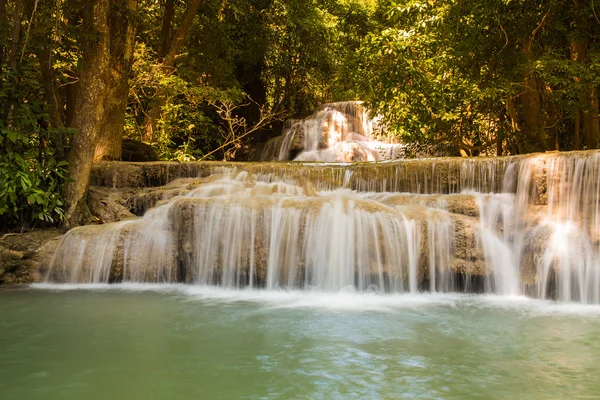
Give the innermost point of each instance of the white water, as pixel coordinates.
(336, 132)
(539, 236)
(344, 300)
(236, 232)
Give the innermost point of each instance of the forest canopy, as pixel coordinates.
(206, 79)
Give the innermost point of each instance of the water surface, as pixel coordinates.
(177, 341)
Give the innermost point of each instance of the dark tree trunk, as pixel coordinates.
(515, 125)
(577, 131)
(50, 92)
(255, 89)
(579, 55)
(45, 40)
(16, 35)
(89, 110)
(70, 91)
(586, 118)
(122, 41)
(500, 137)
(533, 120)
(591, 118)
(14, 56)
(166, 30)
(3, 22)
(168, 66)
(181, 33)
(51, 98)
(3, 49)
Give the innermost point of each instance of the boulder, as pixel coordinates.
(21, 255)
(134, 150)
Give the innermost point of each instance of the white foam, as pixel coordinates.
(342, 300)
(346, 300)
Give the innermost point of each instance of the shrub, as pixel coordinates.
(31, 189)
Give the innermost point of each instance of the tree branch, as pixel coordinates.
(503, 31)
(594, 10)
(535, 31)
(28, 29)
(237, 127)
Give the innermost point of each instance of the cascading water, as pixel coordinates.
(239, 232)
(336, 132)
(522, 225)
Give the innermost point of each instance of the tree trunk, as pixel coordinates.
(14, 57)
(591, 118)
(168, 68)
(89, 111)
(51, 98)
(511, 110)
(16, 35)
(74, 12)
(3, 22)
(50, 92)
(576, 55)
(586, 118)
(533, 121)
(45, 40)
(500, 137)
(122, 41)
(256, 90)
(3, 49)
(166, 30)
(577, 131)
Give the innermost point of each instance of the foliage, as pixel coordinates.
(480, 74)
(30, 191)
(32, 144)
(185, 127)
(310, 43)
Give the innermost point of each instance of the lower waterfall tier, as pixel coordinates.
(238, 229)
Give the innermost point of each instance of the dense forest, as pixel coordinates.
(206, 79)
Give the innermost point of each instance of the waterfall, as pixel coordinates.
(524, 225)
(336, 132)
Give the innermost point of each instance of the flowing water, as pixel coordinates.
(510, 226)
(182, 341)
(336, 132)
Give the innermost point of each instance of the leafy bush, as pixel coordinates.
(30, 190)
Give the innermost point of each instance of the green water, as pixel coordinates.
(178, 342)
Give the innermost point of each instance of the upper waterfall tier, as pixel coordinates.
(335, 132)
(419, 176)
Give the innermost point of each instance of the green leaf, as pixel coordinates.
(11, 135)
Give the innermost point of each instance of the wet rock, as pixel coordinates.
(463, 204)
(117, 174)
(108, 205)
(265, 151)
(23, 256)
